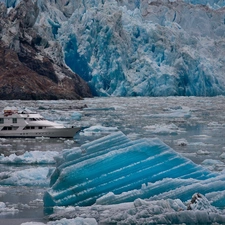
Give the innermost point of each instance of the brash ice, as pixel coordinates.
(115, 169)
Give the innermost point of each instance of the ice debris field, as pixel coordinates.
(117, 180)
(115, 174)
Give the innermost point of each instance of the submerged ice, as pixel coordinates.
(114, 170)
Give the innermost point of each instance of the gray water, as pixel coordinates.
(192, 126)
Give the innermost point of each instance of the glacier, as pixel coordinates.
(159, 48)
(139, 48)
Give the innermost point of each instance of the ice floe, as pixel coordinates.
(7, 210)
(197, 210)
(98, 130)
(31, 157)
(163, 129)
(26, 177)
(64, 221)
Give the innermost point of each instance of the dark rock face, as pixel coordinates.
(26, 70)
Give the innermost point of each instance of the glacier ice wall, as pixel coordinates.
(212, 3)
(114, 169)
(146, 48)
(140, 48)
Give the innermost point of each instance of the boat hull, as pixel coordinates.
(50, 132)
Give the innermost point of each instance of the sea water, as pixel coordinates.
(193, 126)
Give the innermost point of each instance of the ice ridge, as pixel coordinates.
(115, 169)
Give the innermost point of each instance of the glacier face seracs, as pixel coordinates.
(146, 48)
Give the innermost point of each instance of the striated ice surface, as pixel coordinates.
(114, 169)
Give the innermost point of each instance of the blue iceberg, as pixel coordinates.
(115, 169)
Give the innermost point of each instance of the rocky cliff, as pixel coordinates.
(32, 66)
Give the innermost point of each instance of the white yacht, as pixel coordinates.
(14, 123)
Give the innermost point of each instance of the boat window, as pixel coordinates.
(32, 127)
(1, 120)
(14, 120)
(10, 128)
(40, 127)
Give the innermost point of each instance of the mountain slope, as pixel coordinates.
(26, 70)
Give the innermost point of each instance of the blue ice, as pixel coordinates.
(145, 168)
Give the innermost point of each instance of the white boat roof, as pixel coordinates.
(10, 108)
(9, 111)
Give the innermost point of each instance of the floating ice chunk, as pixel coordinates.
(118, 165)
(142, 211)
(75, 116)
(215, 125)
(180, 113)
(200, 144)
(32, 157)
(200, 202)
(27, 177)
(133, 136)
(2, 139)
(5, 210)
(201, 136)
(202, 152)
(163, 129)
(69, 142)
(213, 164)
(5, 145)
(100, 109)
(222, 156)
(2, 193)
(64, 221)
(42, 138)
(98, 129)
